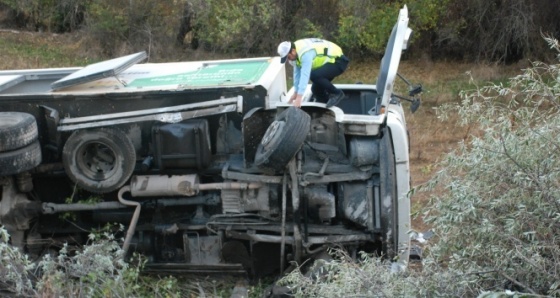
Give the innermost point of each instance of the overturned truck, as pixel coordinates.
(205, 164)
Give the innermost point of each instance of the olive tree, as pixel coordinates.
(498, 216)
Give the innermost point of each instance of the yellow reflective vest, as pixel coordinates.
(327, 51)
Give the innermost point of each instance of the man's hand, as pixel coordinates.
(296, 99)
(292, 98)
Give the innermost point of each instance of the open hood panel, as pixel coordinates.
(390, 62)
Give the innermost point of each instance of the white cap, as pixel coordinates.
(284, 49)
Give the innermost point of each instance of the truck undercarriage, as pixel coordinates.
(205, 176)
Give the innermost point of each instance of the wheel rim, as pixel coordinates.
(271, 132)
(97, 160)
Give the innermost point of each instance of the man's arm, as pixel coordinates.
(304, 72)
(301, 76)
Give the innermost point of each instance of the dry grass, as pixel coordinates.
(24, 49)
(430, 137)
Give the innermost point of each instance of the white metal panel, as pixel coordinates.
(391, 59)
(400, 145)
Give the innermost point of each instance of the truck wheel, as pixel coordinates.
(17, 130)
(99, 160)
(20, 160)
(283, 138)
(388, 195)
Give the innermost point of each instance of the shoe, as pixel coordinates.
(334, 100)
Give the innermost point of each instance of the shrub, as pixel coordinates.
(365, 25)
(497, 214)
(237, 26)
(15, 268)
(499, 217)
(369, 276)
(95, 270)
(132, 26)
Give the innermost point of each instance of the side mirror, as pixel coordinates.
(415, 90)
(415, 105)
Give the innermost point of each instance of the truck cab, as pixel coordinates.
(205, 164)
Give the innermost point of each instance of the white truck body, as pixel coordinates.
(205, 163)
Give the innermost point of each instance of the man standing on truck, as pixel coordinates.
(317, 60)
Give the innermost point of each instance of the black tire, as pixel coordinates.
(20, 160)
(99, 160)
(388, 189)
(283, 138)
(17, 130)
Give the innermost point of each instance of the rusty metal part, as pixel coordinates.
(168, 114)
(135, 216)
(228, 185)
(250, 177)
(318, 195)
(24, 182)
(320, 174)
(295, 187)
(16, 210)
(159, 185)
(48, 167)
(179, 268)
(283, 226)
(310, 179)
(181, 185)
(297, 239)
(165, 117)
(52, 208)
(200, 249)
(371, 210)
(291, 240)
(244, 220)
(243, 200)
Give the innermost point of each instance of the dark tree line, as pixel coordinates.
(497, 30)
(501, 31)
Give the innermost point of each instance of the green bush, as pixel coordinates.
(237, 26)
(120, 27)
(365, 26)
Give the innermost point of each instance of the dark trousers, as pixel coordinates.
(323, 76)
